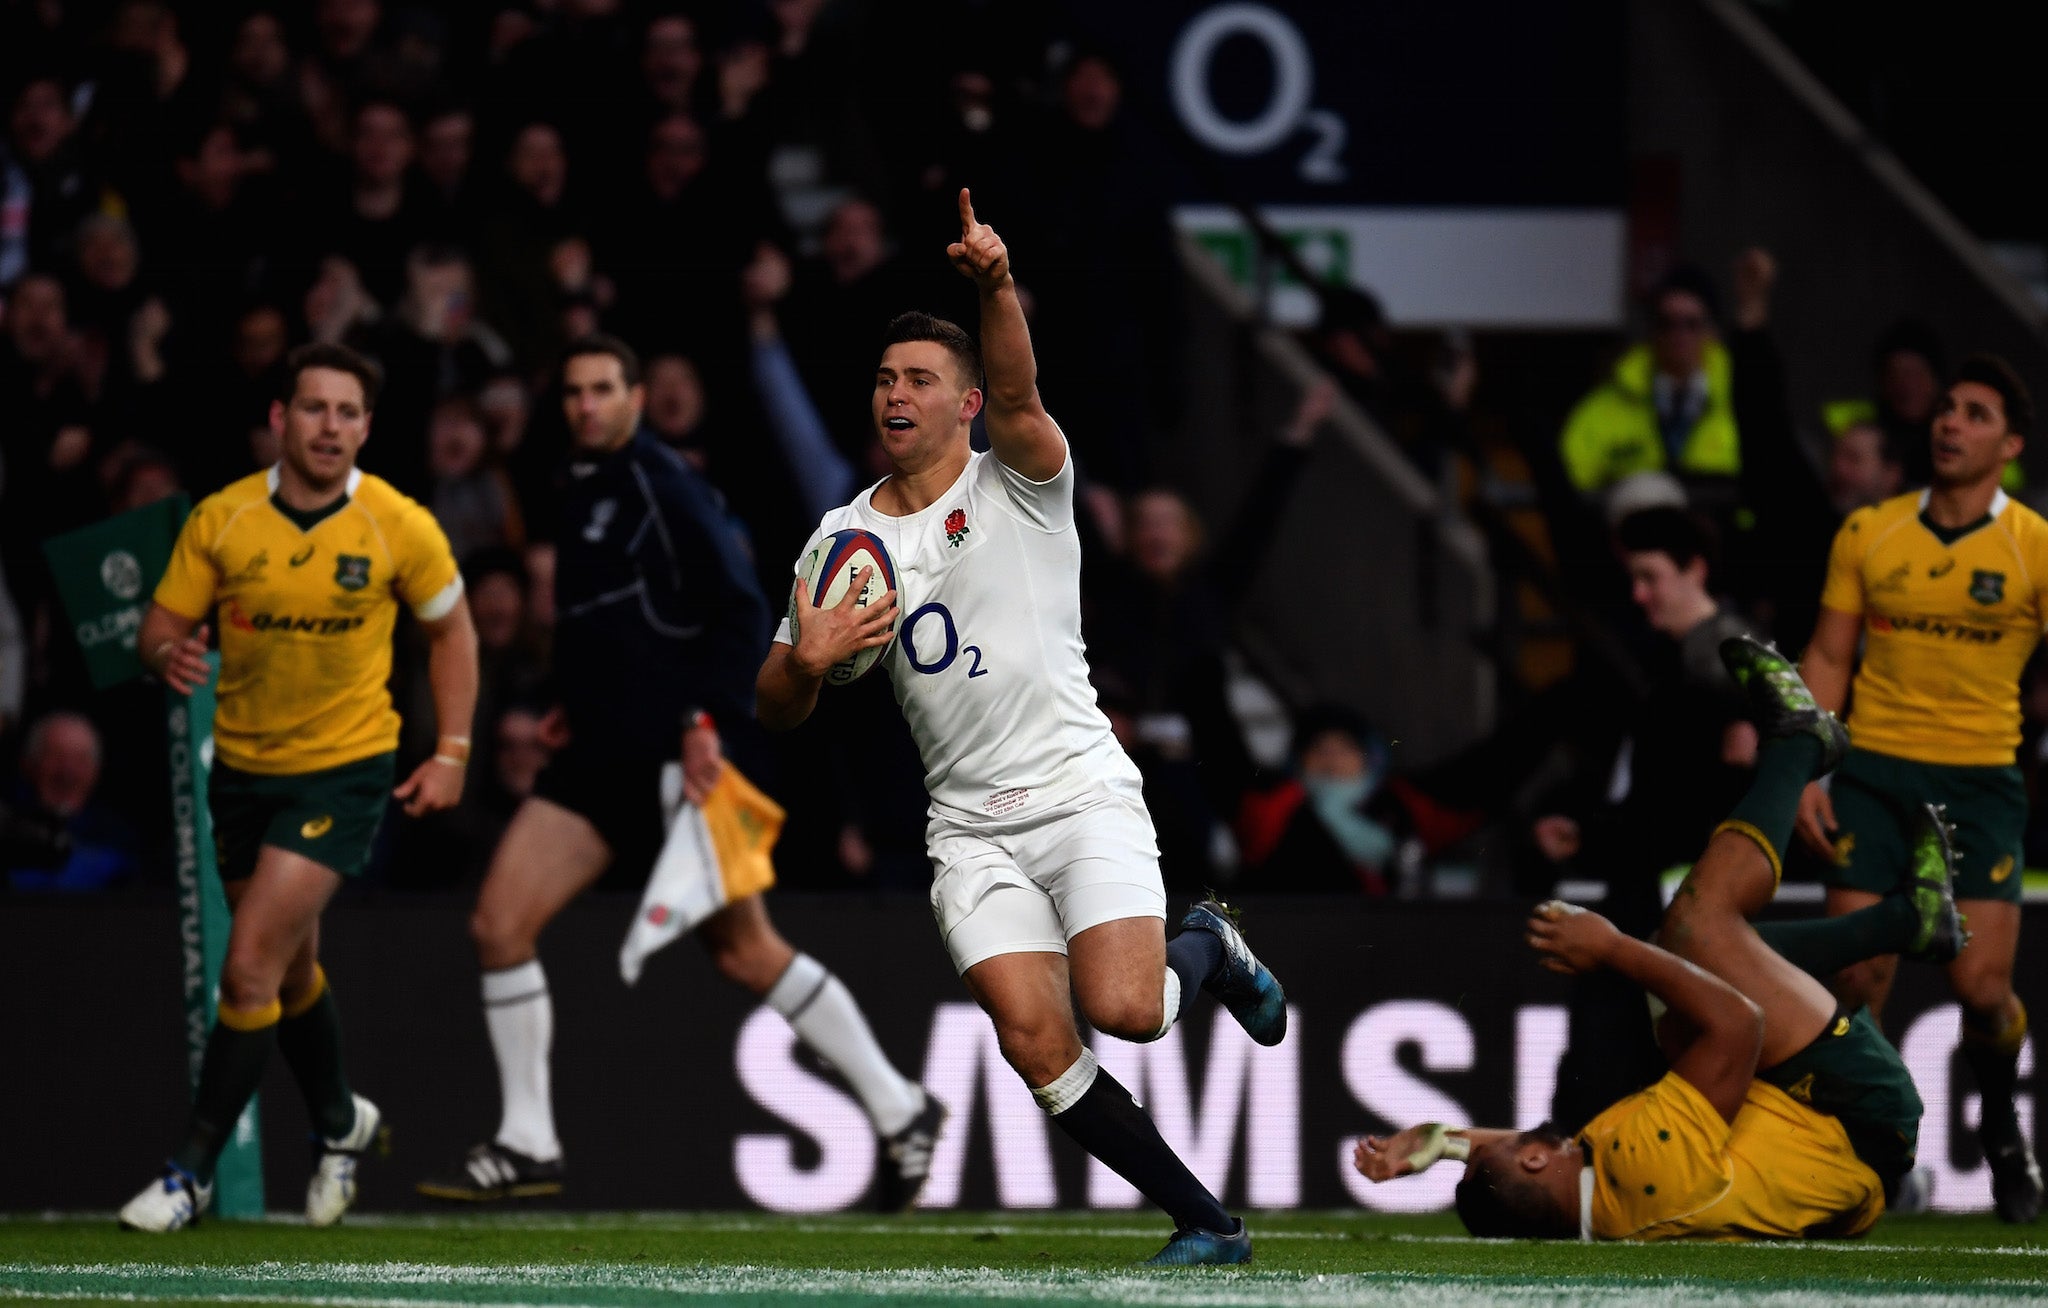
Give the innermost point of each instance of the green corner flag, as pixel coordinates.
(105, 575)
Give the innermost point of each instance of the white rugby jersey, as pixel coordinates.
(988, 662)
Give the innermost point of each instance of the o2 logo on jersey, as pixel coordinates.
(907, 637)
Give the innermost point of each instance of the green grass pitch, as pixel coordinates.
(1047, 1260)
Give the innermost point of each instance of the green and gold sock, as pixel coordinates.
(230, 1072)
(1991, 1046)
(309, 1037)
(1766, 812)
(1824, 946)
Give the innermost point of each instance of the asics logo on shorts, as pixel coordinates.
(317, 827)
(2003, 870)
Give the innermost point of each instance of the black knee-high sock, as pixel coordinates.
(1194, 957)
(230, 1072)
(1824, 946)
(1784, 764)
(1991, 1047)
(309, 1037)
(1102, 1118)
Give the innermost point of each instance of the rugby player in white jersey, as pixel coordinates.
(1046, 870)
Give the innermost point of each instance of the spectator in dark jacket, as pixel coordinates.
(1686, 757)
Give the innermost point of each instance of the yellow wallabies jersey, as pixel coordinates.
(1947, 627)
(305, 617)
(1666, 1167)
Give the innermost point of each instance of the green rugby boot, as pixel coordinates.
(1780, 702)
(1930, 886)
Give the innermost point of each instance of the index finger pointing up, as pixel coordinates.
(966, 211)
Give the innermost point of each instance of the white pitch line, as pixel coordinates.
(729, 1224)
(912, 1227)
(1224, 1288)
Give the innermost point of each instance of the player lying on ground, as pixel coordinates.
(1784, 1116)
(307, 565)
(1046, 869)
(660, 629)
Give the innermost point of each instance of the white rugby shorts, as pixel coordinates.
(1032, 887)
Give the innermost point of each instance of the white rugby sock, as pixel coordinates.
(1067, 1089)
(1169, 1004)
(822, 1013)
(521, 1019)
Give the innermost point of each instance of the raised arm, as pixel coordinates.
(1020, 433)
(824, 479)
(1720, 1061)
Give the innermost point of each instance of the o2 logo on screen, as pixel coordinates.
(1287, 106)
(907, 637)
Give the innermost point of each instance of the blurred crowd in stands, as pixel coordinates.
(748, 192)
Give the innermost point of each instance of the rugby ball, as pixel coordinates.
(829, 571)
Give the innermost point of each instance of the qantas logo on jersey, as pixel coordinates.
(1941, 627)
(287, 622)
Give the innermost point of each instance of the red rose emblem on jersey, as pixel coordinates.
(956, 527)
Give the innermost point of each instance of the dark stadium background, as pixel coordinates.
(186, 189)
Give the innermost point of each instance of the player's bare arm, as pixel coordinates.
(1826, 667)
(1020, 433)
(172, 650)
(787, 690)
(1720, 1059)
(436, 784)
(1417, 1148)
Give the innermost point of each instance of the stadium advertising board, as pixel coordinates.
(678, 1094)
(1486, 189)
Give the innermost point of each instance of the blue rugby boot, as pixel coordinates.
(1193, 1247)
(1241, 983)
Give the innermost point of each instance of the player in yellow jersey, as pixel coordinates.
(306, 566)
(1784, 1116)
(1947, 590)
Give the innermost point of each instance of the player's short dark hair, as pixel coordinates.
(326, 354)
(1993, 371)
(1666, 529)
(1497, 1200)
(917, 326)
(605, 343)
